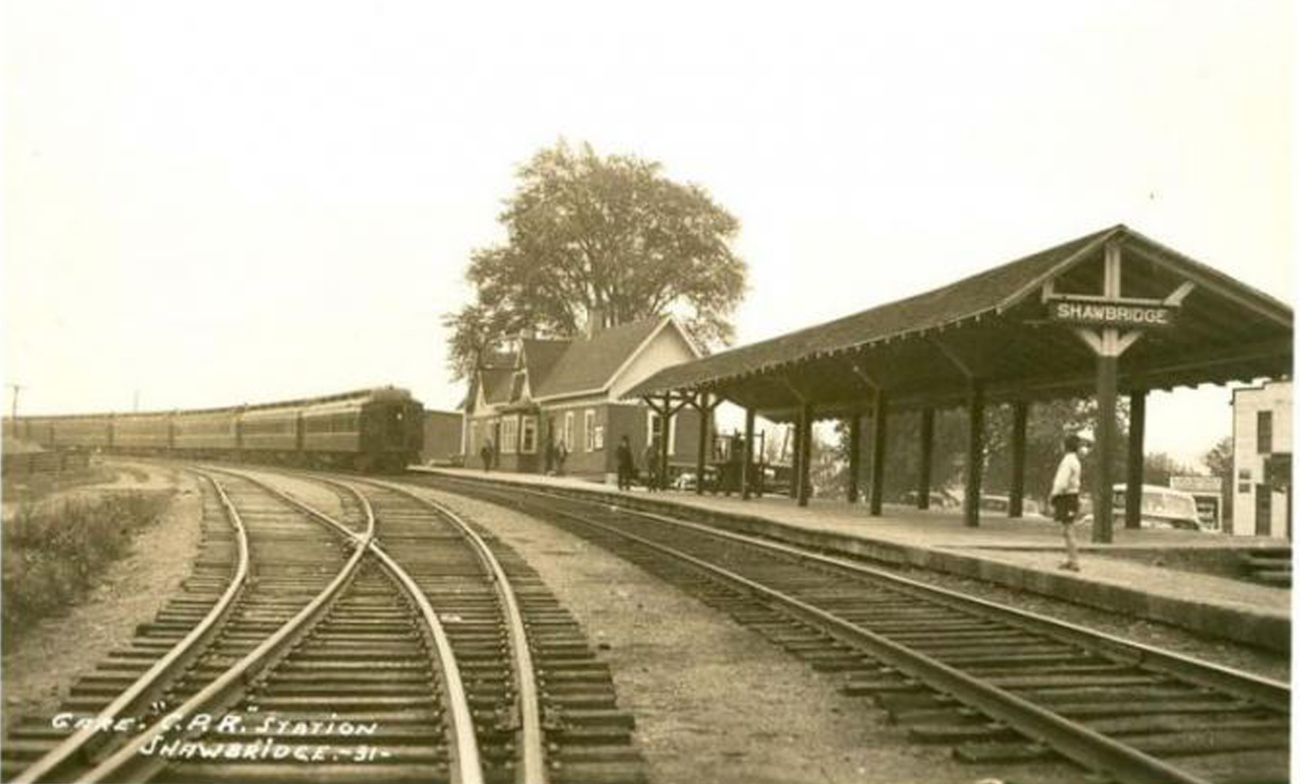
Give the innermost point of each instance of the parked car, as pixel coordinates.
(1162, 507)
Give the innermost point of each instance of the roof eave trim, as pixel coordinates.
(566, 395)
(770, 367)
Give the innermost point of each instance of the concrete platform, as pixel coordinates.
(1183, 578)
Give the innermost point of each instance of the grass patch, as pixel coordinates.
(54, 552)
(34, 487)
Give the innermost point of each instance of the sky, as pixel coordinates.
(208, 204)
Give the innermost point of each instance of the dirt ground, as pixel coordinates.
(713, 701)
(37, 671)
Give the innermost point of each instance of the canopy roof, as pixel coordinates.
(993, 328)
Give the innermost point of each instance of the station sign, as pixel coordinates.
(1196, 484)
(1111, 312)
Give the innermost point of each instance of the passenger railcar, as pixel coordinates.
(371, 429)
(142, 434)
(206, 433)
(88, 431)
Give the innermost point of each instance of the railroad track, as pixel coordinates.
(997, 684)
(388, 645)
(559, 700)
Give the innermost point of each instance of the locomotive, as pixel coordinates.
(366, 430)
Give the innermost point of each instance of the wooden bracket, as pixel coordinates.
(1107, 342)
(700, 402)
(953, 357)
(798, 393)
(1180, 293)
(1049, 290)
(866, 377)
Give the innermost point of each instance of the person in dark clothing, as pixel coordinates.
(652, 465)
(561, 455)
(486, 453)
(625, 465)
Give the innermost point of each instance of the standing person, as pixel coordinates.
(561, 454)
(625, 467)
(486, 453)
(1065, 497)
(652, 465)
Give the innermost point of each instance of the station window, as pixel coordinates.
(654, 430)
(528, 436)
(568, 430)
(509, 435)
(1264, 432)
(589, 428)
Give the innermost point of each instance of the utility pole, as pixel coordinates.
(16, 388)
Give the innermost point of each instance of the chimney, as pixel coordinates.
(595, 321)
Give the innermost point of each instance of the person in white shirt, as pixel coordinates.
(1065, 497)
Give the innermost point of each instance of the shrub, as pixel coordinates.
(53, 553)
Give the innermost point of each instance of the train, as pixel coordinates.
(369, 430)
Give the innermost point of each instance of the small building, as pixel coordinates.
(442, 438)
(1261, 460)
(554, 406)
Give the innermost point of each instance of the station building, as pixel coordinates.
(1261, 460)
(547, 398)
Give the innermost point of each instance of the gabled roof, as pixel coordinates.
(589, 364)
(560, 368)
(992, 319)
(539, 357)
(493, 358)
(496, 384)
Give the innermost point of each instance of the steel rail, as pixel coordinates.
(1268, 692)
(77, 744)
(1271, 693)
(219, 692)
(1068, 738)
(532, 767)
(469, 766)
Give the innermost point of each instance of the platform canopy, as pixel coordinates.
(1031, 329)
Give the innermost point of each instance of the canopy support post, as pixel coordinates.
(746, 467)
(879, 419)
(1019, 428)
(974, 455)
(927, 458)
(805, 453)
(855, 454)
(1137, 423)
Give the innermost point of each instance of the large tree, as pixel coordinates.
(1219, 460)
(604, 237)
